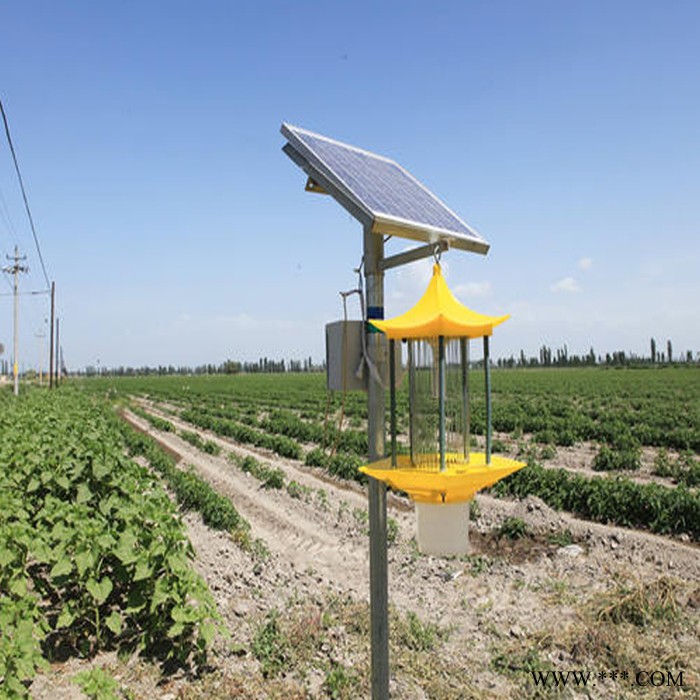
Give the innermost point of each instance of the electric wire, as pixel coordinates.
(24, 194)
(9, 284)
(7, 218)
(37, 292)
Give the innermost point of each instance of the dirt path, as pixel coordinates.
(505, 593)
(640, 545)
(298, 531)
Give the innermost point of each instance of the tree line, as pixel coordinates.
(262, 365)
(561, 358)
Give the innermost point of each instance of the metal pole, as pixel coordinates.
(487, 377)
(464, 347)
(53, 320)
(15, 368)
(441, 399)
(14, 270)
(378, 568)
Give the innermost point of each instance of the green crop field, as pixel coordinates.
(536, 412)
(659, 407)
(93, 554)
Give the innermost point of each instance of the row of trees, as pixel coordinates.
(264, 364)
(546, 357)
(561, 358)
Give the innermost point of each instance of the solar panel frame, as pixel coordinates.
(360, 181)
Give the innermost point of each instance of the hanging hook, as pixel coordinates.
(437, 252)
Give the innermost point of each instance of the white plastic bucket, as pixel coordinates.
(443, 528)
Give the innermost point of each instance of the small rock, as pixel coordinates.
(571, 550)
(684, 537)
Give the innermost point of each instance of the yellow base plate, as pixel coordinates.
(459, 482)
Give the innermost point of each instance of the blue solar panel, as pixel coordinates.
(393, 200)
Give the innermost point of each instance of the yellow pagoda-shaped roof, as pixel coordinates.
(439, 313)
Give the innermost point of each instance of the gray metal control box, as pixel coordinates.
(345, 368)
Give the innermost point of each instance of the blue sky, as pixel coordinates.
(179, 233)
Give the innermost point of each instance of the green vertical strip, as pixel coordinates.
(411, 395)
(441, 398)
(464, 356)
(392, 398)
(487, 376)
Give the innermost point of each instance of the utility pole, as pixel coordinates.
(15, 270)
(52, 326)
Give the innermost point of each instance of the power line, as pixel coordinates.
(5, 215)
(24, 194)
(38, 292)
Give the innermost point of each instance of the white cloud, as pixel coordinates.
(473, 289)
(585, 263)
(568, 285)
(410, 281)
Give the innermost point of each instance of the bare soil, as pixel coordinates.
(511, 606)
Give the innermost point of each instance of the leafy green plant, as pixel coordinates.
(513, 529)
(620, 501)
(474, 510)
(477, 564)
(392, 531)
(561, 538)
(417, 635)
(271, 477)
(157, 422)
(98, 684)
(269, 646)
(197, 441)
(297, 490)
(511, 661)
(340, 684)
(663, 465)
(547, 452)
(617, 458)
(92, 553)
(684, 470)
(499, 446)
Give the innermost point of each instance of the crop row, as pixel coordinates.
(616, 500)
(283, 446)
(92, 552)
(560, 406)
(266, 418)
(290, 425)
(191, 492)
(341, 463)
(619, 501)
(166, 426)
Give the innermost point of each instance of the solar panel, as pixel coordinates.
(377, 191)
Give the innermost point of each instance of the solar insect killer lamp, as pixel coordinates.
(440, 473)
